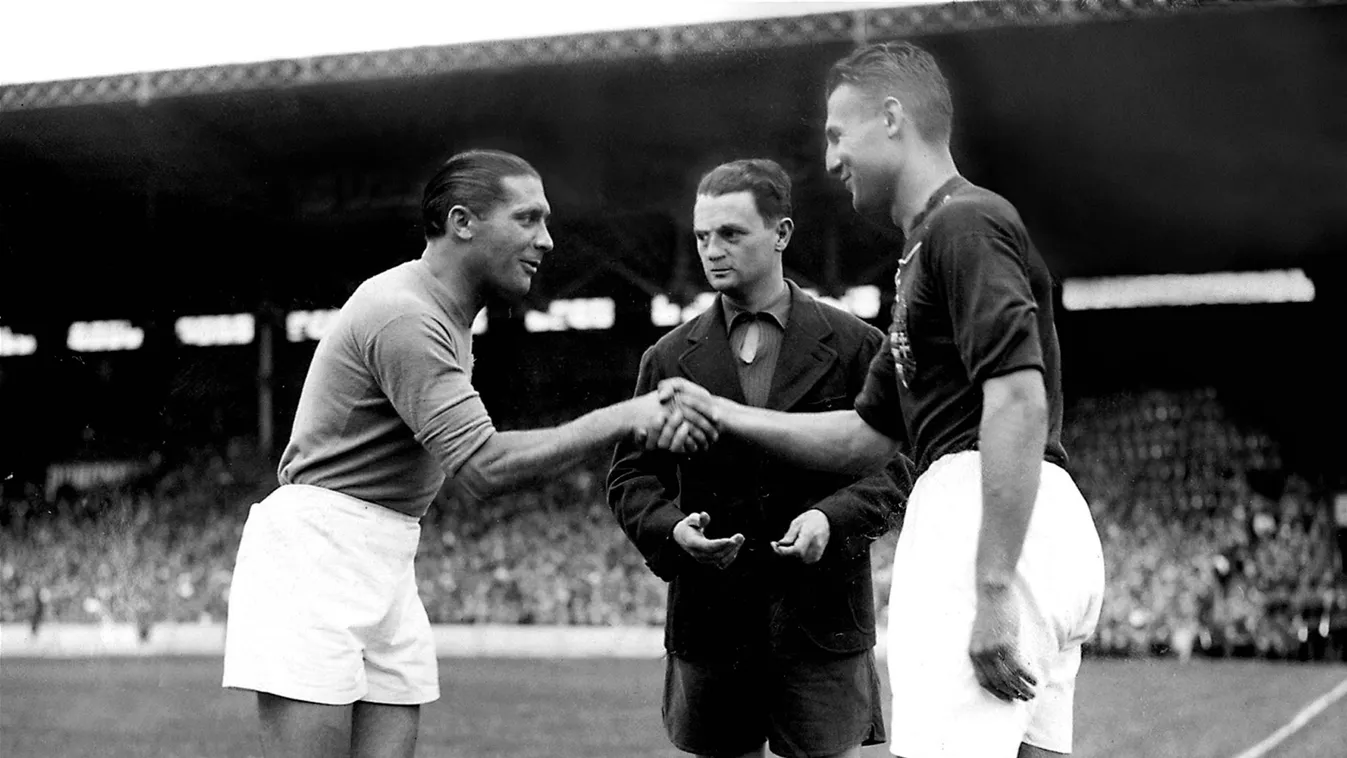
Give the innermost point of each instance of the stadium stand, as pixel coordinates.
(1211, 546)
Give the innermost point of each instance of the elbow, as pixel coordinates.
(1019, 399)
(1021, 392)
(1031, 406)
(868, 451)
(480, 482)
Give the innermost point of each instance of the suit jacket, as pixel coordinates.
(762, 599)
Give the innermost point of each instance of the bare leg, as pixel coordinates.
(384, 731)
(299, 729)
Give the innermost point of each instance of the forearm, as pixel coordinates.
(513, 460)
(838, 441)
(1012, 437)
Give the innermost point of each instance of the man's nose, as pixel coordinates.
(831, 162)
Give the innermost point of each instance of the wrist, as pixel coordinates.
(727, 413)
(632, 416)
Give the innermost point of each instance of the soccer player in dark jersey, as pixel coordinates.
(325, 623)
(998, 573)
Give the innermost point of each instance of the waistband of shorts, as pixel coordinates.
(343, 502)
(951, 460)
(954, 460)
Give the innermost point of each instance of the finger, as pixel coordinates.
(716, 552)
(671, 424)
(727, 543)
(1021, 678)
(679, 444)
(729, 559)
(706, 432)
(704, 547)
(698, 400)
(792, 534)
(698, 521)
(1003, 677)
(665, 391)
(989, 677)
(736, 542)
(697, 439)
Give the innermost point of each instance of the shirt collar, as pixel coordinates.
(778, 310)
(455, 310)
(938, 197)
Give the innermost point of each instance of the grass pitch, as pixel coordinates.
(174, 707)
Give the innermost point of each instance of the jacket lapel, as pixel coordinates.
(805, 356)
(708, 360)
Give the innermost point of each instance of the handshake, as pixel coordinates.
(679, 416)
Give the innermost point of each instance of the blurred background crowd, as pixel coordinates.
(1212, 546)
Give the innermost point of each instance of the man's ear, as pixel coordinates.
(894, 115)
(784, 228)
(460, 222)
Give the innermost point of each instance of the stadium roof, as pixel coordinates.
(133, 36)
(1190, 141)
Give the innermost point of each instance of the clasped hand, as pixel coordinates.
(687, 420)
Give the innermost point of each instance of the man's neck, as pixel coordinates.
(926, 173)
(764, 295)
(447, 267)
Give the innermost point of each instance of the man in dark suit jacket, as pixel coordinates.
(771, 622)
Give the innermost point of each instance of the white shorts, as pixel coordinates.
(323, 605)
(939, 709)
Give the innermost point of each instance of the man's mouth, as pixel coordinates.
(531, 267)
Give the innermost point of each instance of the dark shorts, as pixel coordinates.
(803, 708)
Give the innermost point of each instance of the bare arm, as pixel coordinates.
(1012, 437)
(1013, 434)
(838, 441)
(513, 460)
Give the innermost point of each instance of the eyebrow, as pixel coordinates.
(722, 229)
(530, 210)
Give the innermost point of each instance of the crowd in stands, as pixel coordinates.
(1210, 546)
(1197, 557)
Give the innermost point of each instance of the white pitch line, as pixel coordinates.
(1294, 725)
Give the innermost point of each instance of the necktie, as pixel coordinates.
(749, 349)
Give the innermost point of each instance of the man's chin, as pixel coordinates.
(511, 295)
(725, 286)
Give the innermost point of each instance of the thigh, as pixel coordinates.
(299, 729)
(824, 706)
(384, 731)
(715, 708)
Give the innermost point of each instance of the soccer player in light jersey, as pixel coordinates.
(324, 619)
